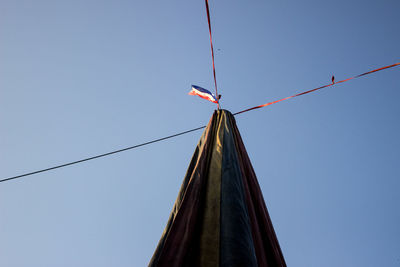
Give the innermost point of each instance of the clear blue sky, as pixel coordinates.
(79, 78)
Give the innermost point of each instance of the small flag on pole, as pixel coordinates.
(203, 93)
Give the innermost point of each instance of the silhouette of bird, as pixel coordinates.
(333, 79)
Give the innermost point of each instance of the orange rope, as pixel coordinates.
(212, 53)
(315, 89)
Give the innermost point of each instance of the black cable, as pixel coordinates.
(185, 132)
(101, 155)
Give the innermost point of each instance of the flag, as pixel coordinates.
(203, 93)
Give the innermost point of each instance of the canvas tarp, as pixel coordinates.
(219, 217)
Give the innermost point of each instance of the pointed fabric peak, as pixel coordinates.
(220, 217)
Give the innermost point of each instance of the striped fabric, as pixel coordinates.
(219, 218)
(203, 93)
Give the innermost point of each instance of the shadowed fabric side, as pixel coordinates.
(266, 243)
(177, 238)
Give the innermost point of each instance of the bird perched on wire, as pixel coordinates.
(333, 79)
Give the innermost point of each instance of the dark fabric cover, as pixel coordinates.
(219, 218)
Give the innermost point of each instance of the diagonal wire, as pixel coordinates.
(195, 129)
(102, 155)
(318, 88)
